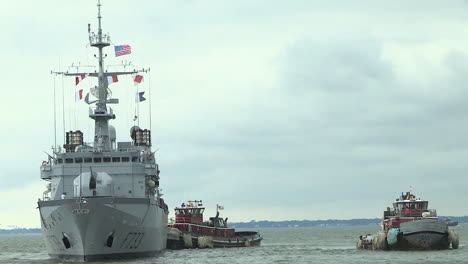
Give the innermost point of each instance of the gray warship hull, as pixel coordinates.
(96, 228)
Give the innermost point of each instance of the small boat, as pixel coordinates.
(410, 225)
(450, 223)
(190, 231)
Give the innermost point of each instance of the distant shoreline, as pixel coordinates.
(329, 222)
(18, 231)
(272, 224)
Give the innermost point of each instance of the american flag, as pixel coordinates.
(122, 50)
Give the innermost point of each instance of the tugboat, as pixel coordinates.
(103, 199)
(190, 231)
(410, 225)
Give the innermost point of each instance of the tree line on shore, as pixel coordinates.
(329, 222)
(275, 224)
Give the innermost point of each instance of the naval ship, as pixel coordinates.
(103, 199)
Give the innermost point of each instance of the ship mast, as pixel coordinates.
(101, 114)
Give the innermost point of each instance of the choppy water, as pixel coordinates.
(290, 245)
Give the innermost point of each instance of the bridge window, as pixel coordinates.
(78, 160)
(97, 160)
(88, 160)
(106, 159)
(134, 158)
(198, 211)
(125, 159)
(59, 161)
(424, 206)
(68, 160)
(116, 159)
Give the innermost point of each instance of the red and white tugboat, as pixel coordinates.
(411, 225)
(190, 231)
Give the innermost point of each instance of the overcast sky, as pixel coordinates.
(277, 110)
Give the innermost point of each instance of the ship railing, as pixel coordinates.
(46, 166)
(132, 156)
(416, 213)
(205, 230)
(94, 39)
(432, 212)
(89, 147)
(45, 196)
(108, 111)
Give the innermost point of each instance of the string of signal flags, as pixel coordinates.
(120, 50)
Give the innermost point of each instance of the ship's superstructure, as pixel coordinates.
(103, 198)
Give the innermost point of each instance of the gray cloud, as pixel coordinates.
(344, 65)
(347, 126)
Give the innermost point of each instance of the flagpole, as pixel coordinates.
(55, 117)
(138, 106)
(74, 105)
(70, 108)
(63, 112)
(149, 88)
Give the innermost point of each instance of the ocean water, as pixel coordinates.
(280, 245)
